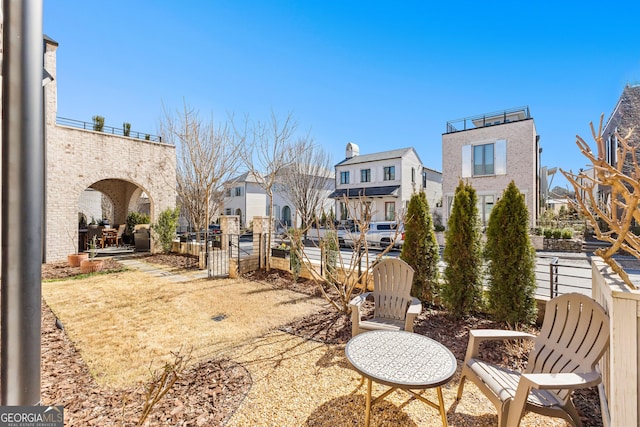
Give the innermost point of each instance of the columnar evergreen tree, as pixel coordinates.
(511, 260)
(420, 249)
(462, 289)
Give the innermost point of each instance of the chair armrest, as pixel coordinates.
(358, 300)
(355, 305)
(477, 336)
(569, 380)
(414, 310)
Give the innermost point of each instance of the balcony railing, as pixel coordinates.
(107, 129)
(488, 119)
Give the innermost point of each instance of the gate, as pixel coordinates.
(220, 250)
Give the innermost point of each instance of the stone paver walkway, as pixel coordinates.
(136, 264)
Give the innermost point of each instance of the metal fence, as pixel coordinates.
(221, 248)
(556, 276)
(78, 124)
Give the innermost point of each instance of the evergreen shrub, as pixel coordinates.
(511, 260)
(420, 249)
(462, 288)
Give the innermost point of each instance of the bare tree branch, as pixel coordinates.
(611, 219)
(271, 151)
(307, 181)
(207, 156)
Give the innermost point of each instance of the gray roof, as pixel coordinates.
(383, 155)
(245, 177)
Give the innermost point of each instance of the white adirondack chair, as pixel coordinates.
(573, 338)
(395, 308)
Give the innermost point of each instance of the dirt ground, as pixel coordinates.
(209, 393)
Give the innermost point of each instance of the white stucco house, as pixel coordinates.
(246, 198)
(384, 182)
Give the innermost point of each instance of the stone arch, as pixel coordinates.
(123, 195)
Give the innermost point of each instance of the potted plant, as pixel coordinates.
(92, 264)
(98, 123)
(281, 251)
(76, 258)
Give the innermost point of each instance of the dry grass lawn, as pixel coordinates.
(124, 323)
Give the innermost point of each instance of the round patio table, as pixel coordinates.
(401, 360)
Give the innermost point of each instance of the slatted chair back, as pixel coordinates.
(392, 279)
(573, 337)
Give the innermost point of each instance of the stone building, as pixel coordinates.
(123, 168)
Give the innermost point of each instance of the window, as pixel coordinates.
(344, 177)
(227, 211)
(424, 180)
(390, 211)
(389, 173)
(483, 159)
(365, 175)
(413, 175)
(237, 191)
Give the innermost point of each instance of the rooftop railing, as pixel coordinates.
(108, 129)
(489, 119)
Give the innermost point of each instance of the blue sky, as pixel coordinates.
(384, 75)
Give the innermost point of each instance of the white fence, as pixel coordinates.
(620, 365)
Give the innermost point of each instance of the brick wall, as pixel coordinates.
(118, 166)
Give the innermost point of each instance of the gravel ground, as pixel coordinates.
(297, 375)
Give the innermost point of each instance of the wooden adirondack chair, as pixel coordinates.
(573, 338)
(395, 308)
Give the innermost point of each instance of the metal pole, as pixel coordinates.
(22, 201)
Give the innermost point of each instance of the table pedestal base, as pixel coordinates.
(439, 406)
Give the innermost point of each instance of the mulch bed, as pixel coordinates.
(209, 393)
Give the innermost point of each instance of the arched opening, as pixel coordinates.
(286, 216)
(109, 214)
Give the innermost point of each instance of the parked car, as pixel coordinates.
(385, 233)
(347, 233)
(379, 235)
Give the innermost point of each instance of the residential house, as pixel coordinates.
(246, 198)
(383, 182)
(624, 117)
(488, 151)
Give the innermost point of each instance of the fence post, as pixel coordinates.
(209, 260)
(553, 277)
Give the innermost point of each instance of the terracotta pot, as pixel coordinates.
(74, 260)
(91, 266)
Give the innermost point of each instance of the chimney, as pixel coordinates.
(352, 150)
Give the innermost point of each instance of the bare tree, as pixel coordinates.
(207, 156)
(611, 219)
(307, 182)
(272, 151)
(344, 277)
